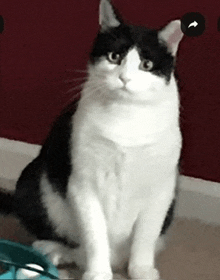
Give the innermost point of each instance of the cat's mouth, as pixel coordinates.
(125, 89)
(125, 93)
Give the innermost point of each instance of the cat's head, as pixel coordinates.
(132, 62)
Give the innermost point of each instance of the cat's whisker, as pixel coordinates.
(75, 97)
(96, 89)
(75, 79)
(93, 89)
(76, 70)
(80, 86)
(91, 92)
(75, 88)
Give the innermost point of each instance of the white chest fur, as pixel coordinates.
(123, 148)
(128, 124)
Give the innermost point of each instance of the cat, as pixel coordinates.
(101, 192)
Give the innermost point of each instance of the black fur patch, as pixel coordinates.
(56, 150)
(6, 202)
(28, 204)
(124, 37)
(169, 218)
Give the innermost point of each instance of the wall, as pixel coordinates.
(44, 42)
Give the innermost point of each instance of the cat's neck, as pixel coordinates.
(130, 123)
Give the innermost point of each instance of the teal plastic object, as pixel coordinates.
(15, 256)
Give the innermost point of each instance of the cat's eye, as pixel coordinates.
(114, 57)
(146, 65)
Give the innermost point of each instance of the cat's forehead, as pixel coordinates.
(125, 37)
(143, 36)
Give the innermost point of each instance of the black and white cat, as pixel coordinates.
(101, 192)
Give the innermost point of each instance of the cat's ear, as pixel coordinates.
(107, 15)
(172, 35)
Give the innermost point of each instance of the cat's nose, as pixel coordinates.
(124, 78)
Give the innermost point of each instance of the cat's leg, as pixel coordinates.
(93, 232)
(145, 239)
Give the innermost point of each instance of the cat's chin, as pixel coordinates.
(129, 96)
(125, 97)
(124, 94)
(130, 93)
(124, 91)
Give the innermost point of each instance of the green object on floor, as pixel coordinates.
(23, 262)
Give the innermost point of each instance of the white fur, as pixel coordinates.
(126, 146)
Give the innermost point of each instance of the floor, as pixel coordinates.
(193, 250)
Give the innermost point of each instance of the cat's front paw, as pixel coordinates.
(143, 272)
(90, 275)
(50, 249)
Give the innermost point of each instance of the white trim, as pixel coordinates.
(197, 198)
(200, 186)
(14, 156)
(19, 147)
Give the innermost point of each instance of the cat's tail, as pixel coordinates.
(7, 202)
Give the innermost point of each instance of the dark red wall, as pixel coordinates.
(45, 41)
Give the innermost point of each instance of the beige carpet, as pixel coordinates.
(193, 250)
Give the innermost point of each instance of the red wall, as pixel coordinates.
(45, 41)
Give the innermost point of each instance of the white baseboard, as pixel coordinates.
(14, 156)
(197, 198)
